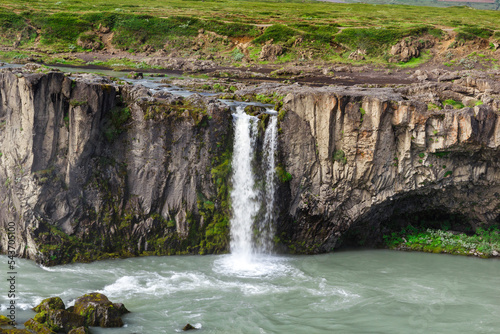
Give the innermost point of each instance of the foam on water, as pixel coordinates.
(259, 265)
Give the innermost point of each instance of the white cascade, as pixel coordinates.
(266, 226)
(244, 196)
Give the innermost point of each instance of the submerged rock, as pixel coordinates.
(188, 327)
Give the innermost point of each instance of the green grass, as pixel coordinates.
(472, 32)
(454, 104)
(174, 25)
(377, 40)
(483, 242)
(415, 62)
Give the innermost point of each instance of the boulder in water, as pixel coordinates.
(99, 311)
(188, 327)
(52, 303)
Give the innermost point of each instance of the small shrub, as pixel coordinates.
(340, 157)
(118, 118)
(283, 175)
(237, 55)
(76, 103)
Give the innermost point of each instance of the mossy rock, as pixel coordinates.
(121, 308)
(37, 327)
(99, 311)
(65, 320)
(79, 330)
(52, 303)
(16, 331)
(254, 110)
(4, 320)
(41, 317)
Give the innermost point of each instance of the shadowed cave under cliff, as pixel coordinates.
(414, 210)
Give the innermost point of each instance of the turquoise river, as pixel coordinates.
(365, 291)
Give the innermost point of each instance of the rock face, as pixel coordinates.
(90, 169)
(363, 160)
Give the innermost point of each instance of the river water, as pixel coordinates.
(369, 291)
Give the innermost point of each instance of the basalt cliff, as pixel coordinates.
(90, 169)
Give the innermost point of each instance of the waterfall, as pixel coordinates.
(266, 226)
(244, 196)
(246, 199)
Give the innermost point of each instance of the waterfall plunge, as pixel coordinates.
(244, 195)
(266, 226)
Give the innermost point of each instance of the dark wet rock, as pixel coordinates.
(254, 110)
(99, 311)
(121, 308)
(52, 303)
(188, 327)
(135, 75)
